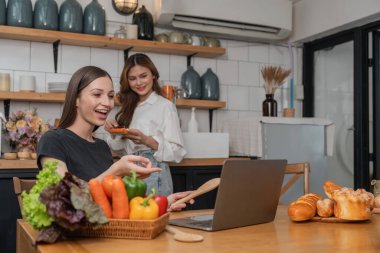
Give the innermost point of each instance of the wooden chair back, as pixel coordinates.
(20, 185)
(298, 170)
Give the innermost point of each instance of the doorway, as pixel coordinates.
(341, 79)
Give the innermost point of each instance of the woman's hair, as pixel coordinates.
(80, 80)
(128, 98)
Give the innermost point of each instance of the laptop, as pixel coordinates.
(248, 194)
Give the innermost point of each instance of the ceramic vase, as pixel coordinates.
(94, 19)
(71, 17)
(144, 21)
(20, 13)
(210, 85)
(46, 15)
(269, 106)
(191, 83)
(3, 12)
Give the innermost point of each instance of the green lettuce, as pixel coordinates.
(33, 210)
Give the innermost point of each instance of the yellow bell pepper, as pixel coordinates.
(144, 209)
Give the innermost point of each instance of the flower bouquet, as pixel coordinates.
(24, 129)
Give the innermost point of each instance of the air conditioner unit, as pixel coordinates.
(252, 20)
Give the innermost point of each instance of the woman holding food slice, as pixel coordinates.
(89, 100)
(151, 121)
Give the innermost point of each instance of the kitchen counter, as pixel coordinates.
(31, 164)
(282, 235)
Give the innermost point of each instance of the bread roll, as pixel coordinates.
(304, 208)
(377, 201)
(329, 187)
(353, 205)
(325, 208)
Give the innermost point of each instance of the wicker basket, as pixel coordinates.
(127, 229)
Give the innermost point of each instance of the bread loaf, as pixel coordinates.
(353, 205)
(325, 208)
(304, 208)
(377, 201)
(329, 187)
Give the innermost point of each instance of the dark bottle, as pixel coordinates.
(269, 106)
(3, 12)
(71, 17)
(20, 13)
(144, 21)
(46, 15)
(94, 19)
(210, 85)
(191, 83)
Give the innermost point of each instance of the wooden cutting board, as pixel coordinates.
(334, 220)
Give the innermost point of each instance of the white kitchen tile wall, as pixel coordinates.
(176, 68)
(258, 52)
(238, 98)
(74, 57)
(237, 51)
(249, 74)
(238, 71)
(105, 59)
(227, 72)
(41, 58)
(15, 55)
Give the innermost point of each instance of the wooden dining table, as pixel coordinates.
(281, 235)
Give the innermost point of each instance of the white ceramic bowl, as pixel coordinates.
(27, 83)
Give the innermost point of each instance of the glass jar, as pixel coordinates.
(269, 106)
(121, 33)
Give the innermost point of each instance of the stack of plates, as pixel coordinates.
(57, 86)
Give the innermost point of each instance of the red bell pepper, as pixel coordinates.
(162, 202)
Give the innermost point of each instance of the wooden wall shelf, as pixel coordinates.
(32, 96)
(60, 98)
(87, 40)
(201, 104)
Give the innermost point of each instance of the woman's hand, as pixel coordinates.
(176, 196)
(139, 137)
(128, 163)
(110, 124)
(136, 136)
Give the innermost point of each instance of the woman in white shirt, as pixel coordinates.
(151, 119)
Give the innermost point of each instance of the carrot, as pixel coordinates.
(120, 204)
(100, 197)
(118, 130)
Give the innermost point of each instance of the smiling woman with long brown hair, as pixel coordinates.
(151, 119)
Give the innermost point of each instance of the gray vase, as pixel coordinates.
(210, 85)
(94, 19)
(3, 12)
(20, 13)
(191, 83)
(71, 17)
(46, 15)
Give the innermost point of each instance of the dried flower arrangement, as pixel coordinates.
(24, 129)
(274, 77)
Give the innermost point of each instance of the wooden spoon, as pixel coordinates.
(182, 236)
(206, 187)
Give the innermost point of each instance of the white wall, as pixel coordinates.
(318, 18)
(238, 71)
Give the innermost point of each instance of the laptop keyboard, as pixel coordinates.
(203, 223)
